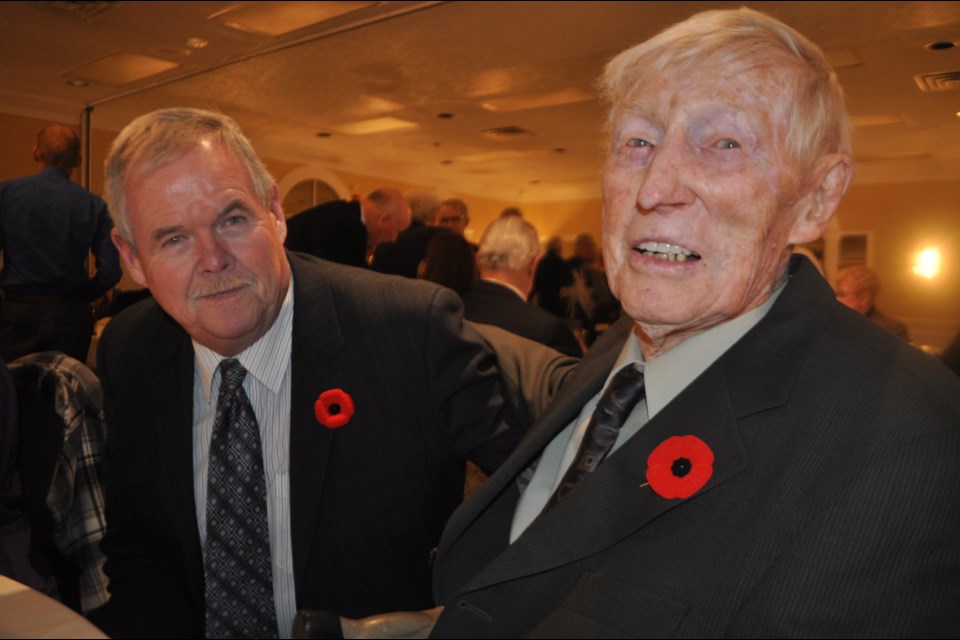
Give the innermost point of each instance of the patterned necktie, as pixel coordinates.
(239, 586)
(618, 400)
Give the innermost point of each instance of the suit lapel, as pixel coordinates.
(615, 501)
(754, 375)
(316, 340)
(583, 384)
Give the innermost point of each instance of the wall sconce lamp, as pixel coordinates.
(926, 264)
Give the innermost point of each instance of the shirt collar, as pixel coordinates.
(671, 372)
(506, 285)
(266, 359)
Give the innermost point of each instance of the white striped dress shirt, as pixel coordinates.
(267, 384)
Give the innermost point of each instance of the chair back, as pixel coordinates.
(62, 440)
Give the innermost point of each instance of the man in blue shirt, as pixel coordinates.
(48, 227)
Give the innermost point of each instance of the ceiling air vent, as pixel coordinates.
(941, 81)
(507, 133)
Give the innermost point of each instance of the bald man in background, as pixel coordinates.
(347, 231)
(49, 225)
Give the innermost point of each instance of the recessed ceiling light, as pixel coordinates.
(444, 116)
(324, 134)
(78, 83)
(446, 162)
(195, 43)
(940, 45)
(534, 101)
(121, 68)
(375, 125)
(278, 18)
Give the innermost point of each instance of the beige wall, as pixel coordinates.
(901, 218)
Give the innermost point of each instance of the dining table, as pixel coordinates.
(27, 613)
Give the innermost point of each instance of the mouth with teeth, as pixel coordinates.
(665, 251)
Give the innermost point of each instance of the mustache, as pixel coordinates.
(228, 283)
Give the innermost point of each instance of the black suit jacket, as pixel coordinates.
(368, 500)
(404, 256)
(333, 231)
(832, 510)
(492, 303)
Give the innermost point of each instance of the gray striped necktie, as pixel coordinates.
(237, 565)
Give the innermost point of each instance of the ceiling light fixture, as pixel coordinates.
(278, 18)
(195, 43)
(375, 125)
(940, 45)
(83, 83)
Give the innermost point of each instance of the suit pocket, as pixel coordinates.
(599, 606)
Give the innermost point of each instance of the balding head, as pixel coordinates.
(385, 214)
(58, 146)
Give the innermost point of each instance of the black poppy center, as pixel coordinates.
(333, 409)
(681, 467)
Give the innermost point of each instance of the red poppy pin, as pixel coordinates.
(679, 467)
(333, 408)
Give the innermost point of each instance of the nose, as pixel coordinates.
(213, 256)
(663, 181)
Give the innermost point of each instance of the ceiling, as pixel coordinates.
(523, 69)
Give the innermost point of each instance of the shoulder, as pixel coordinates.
(362, 290)
(141, 334)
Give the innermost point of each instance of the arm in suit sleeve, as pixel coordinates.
(463, 372)
(148, 592)
(530, 373)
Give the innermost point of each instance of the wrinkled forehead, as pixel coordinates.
(764, 90)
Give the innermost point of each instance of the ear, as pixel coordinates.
(828, 180)
(130, 257)
(36, 154)
(277, 210)
(532, 269)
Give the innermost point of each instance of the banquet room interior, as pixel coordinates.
(494, 103)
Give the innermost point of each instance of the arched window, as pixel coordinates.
(309, 186)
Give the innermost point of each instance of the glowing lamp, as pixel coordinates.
(926, 264)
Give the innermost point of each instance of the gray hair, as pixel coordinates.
(508, 244)
(860, 278)
(744, 39)
(424, 206)
(162, 136)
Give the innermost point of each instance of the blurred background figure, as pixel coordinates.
(348, 231)
(589, 303)
(49, 225)
(403, 257)
(551, 276)
(507, 259)
(453, 215)
(857, 288)
(450, 261)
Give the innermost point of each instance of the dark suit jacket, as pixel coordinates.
(368, 500)
(492, 303)
(333, 231)
(403, 257)
(832, 510)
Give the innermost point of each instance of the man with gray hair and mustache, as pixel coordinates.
(285, 432)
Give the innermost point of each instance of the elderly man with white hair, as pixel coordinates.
(507, 259)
